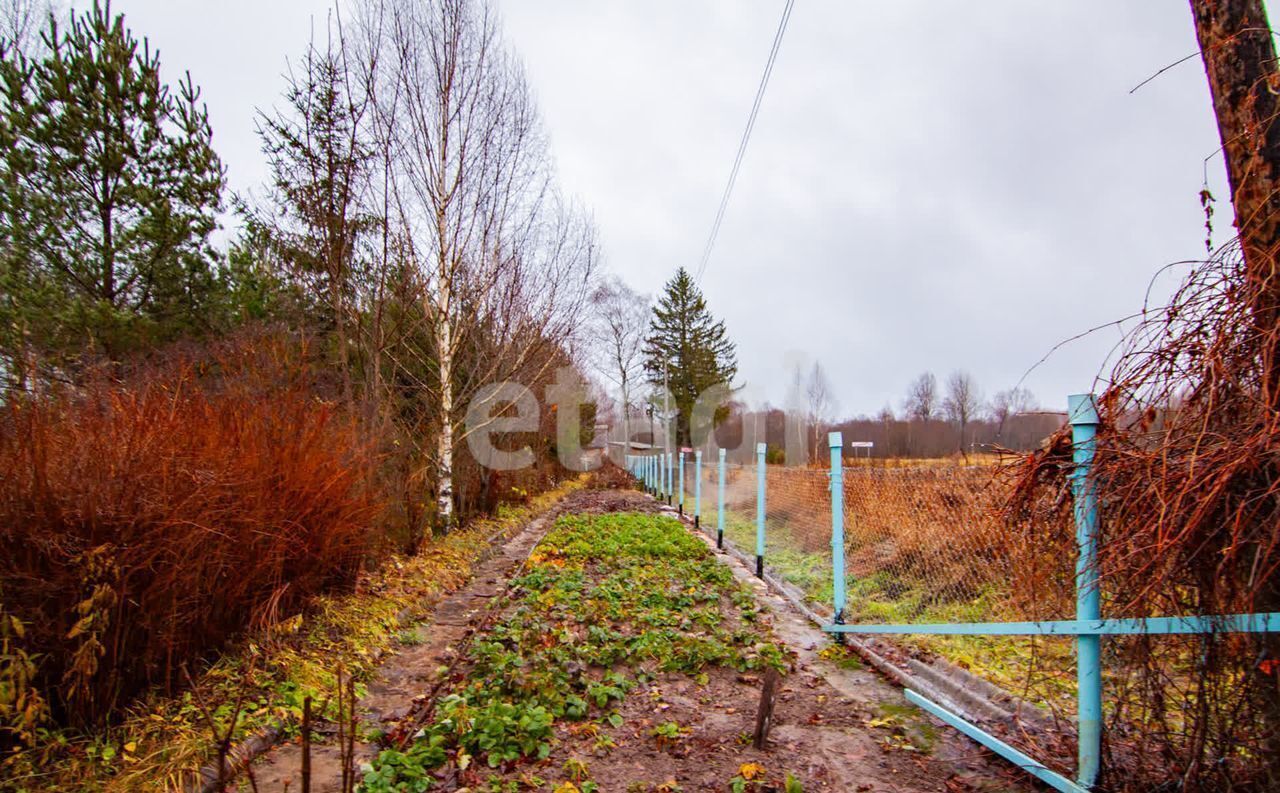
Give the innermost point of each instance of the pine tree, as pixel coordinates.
(111, 192)
(691, 346)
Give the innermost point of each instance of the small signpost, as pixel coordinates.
(868, 445)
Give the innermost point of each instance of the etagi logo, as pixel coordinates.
(502, 408)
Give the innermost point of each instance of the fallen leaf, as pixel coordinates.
(749, 771)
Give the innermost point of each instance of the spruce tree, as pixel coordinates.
(691, 345)
(111, 192)
(320, 158)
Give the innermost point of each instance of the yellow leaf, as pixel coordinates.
(131, 746)
(749, 771)
(80, 627)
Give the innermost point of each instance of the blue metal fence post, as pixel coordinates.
(680, 498)
(836, 441)
(760, 447)
(720, 505)
(1083, 413)
(670, 477)
(697, 489)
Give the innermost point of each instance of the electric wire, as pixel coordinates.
(746, 136)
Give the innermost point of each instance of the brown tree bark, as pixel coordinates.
(1240, 60)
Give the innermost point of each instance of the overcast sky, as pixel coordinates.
(930, 185)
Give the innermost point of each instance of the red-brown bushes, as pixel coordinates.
(143, 526)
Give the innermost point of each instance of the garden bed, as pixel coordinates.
(627, 657)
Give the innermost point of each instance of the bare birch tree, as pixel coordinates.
(621, 322)
(821, 403)
(504, 263)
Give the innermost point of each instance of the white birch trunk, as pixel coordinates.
(444, 447)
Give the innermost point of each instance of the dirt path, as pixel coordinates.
(836, 726)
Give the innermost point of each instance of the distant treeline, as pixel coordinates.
(890, 436)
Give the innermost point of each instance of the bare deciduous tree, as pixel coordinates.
(20, 22)
(821, 404)
(921, 403)
(621, 323)
(503, 263)
(963, 402)
(1009, 403)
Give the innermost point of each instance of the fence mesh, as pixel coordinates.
(932, 544)
(923, 544)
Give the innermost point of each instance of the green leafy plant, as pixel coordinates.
(668, 733)
(409, 771)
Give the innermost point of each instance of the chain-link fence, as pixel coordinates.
(932, 544)
(970, 571)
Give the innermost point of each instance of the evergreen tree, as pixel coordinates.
(320, 158)
(690, 345)
(111, 188)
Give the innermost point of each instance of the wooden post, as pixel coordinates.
(306, 745)
(764, 714)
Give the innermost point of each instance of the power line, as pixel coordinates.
(746, 136)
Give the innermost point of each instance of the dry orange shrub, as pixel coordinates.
(142, 526)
